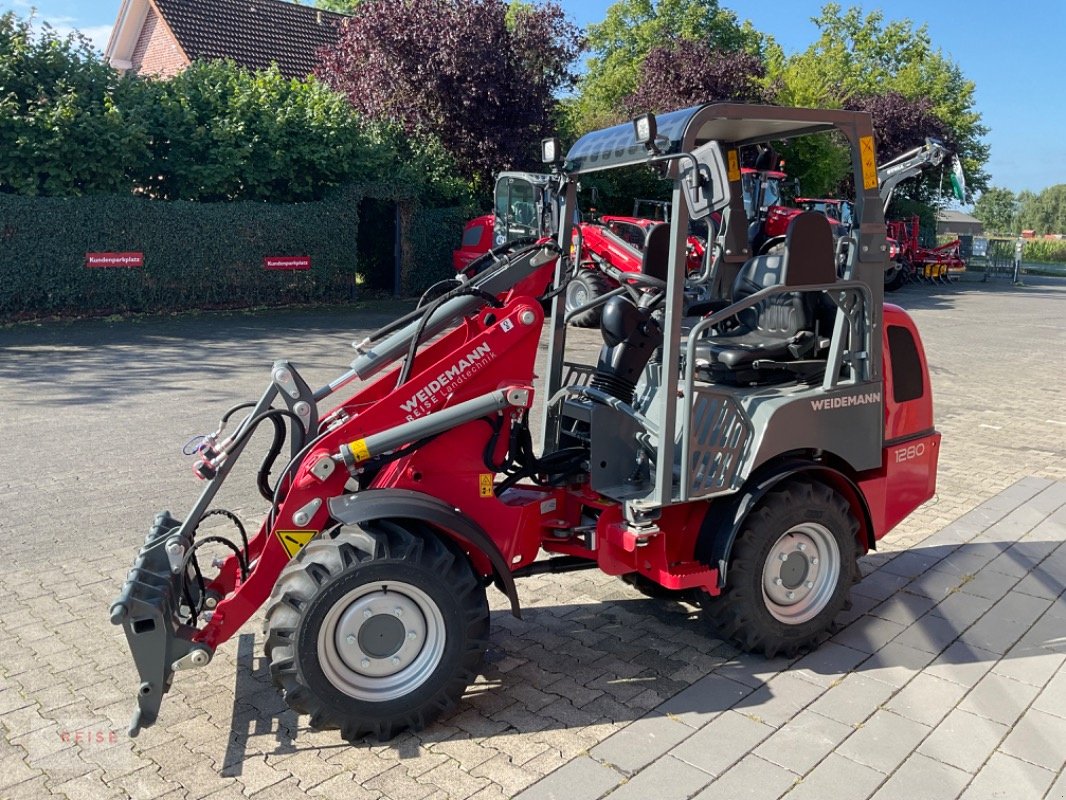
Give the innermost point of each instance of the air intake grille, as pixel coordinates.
(720, 437)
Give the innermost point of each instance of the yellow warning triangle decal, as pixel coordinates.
(295, 541)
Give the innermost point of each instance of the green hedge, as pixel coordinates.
(202, 255)
(431, 236)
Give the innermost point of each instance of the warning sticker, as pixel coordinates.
(733, 165)
(360, 452)
(484, 488)
(869, 162)
(295, 541)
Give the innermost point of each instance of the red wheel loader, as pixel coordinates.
(746, 461)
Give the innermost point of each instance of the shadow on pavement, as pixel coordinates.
(527, 688)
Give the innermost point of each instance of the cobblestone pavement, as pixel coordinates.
(946, 678)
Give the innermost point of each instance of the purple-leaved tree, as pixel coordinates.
(478, 75)
(685, 72)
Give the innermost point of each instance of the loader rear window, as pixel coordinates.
(907, 383)
(472, 236)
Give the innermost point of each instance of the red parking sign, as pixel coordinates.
(105, 260)
(287, 262)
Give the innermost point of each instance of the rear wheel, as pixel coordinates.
(790, 571)
(377, 630)
(585, 287)
(895, 277)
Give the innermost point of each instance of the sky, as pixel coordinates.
(1016, 56)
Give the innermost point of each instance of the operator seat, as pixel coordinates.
(780, 328)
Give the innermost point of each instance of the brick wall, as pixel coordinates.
(157, 51)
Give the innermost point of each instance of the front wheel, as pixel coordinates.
(584, 287)
(376, 630)
(790, 571)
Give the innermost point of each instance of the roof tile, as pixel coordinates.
(254, 33)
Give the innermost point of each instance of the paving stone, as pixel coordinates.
(923, 778)
(780, 700)
(1037, 738)
(1004, 777)
(903, 608)
(666, 779)
(936, 584)
(853, 699)
(962, 609)
(581, 779)
(1032, 665)
(830, 661)
(963, 663)
(751, 779)
(869, 633)
(704, 700)
(722, 743)
(637, 745)
(1005, 622)
(964, 740)
(837, 777)
(931, 634)
(884, 741)
(880, 585)
(803, 742)
(895, 664)
(999, 698)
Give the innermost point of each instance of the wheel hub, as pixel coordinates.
(381, 640)
(578, 294)
(800, 573)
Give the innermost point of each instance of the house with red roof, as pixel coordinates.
(162, 37)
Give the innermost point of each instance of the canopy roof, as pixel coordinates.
(734, 123)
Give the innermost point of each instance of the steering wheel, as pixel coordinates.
(768, 246)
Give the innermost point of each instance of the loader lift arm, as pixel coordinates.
(907, 165)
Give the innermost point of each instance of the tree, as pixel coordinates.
(631, 30)
(857, 58)
(342, 6)
(62, 131)
(997, 209)
(686, 72)
(219, 132)
(478, 75)
(1044, 212)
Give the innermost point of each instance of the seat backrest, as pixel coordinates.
(807, 259)
(809, 250)
(656, 261)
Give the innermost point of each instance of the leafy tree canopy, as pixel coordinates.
(478, 75)
(61, 130)
(685, 72)
(1044, 212)
(219, 132)
(893, 69)
(631, 30)
(997, 209)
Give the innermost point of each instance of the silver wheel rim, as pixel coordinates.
(381, 641)
(577, 294)
(801, 573)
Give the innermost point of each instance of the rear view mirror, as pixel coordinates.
(707, 191)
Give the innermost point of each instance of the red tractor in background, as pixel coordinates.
(770, 217)
(744, 463)
(611, 246)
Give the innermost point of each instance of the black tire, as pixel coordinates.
(585, 287)
(799, 512)
(895, 277)
(435, 625)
